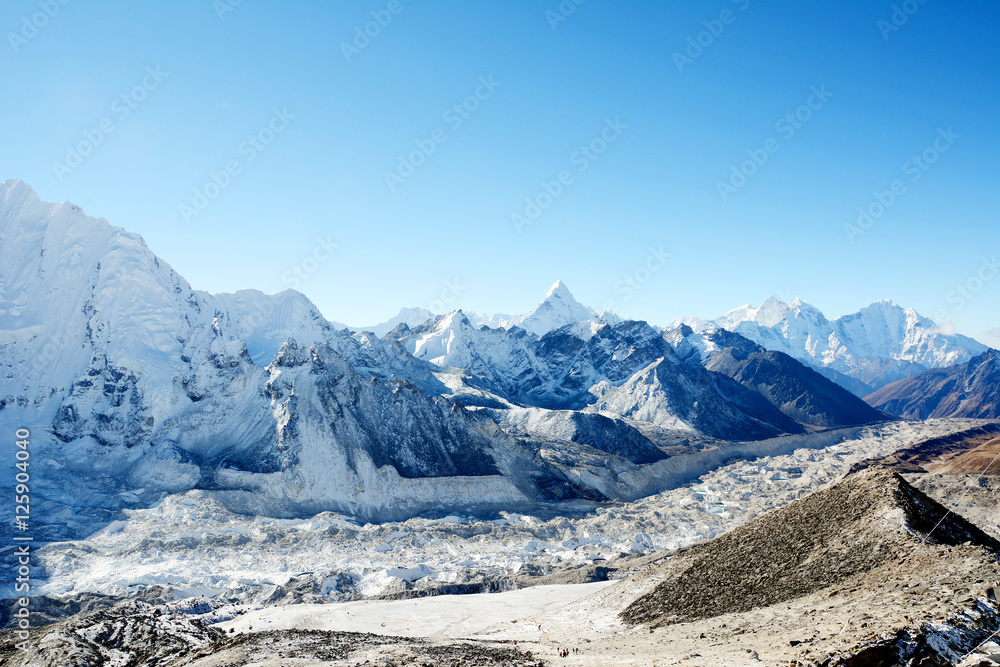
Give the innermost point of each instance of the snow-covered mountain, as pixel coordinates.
(793, 387)
(558, 309)
(716, 383)
(408, 316)
(768, 314)
(135, 385)
(863, 351)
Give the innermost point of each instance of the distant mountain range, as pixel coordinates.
(556, 310)
(862, 352)
(135, 385)
(971, 389)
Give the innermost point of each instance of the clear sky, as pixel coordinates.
(739, 138)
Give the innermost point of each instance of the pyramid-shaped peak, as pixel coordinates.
(455, 318)
(559, 291)
(558, 309)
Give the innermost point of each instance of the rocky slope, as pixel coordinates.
(934, 453)
(857, 526)
(133, 636)
(792, 387)
(971, 389)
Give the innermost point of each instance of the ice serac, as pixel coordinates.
(863, 351)
(971, 389)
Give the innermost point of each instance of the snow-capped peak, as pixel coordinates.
(878, 344)
(411, 317)
(559, 290)
(769, 313)
(558, 309)
(772, 311)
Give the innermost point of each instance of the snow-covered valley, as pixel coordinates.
(191, 544)
(216, 457)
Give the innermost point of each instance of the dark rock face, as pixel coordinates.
(150, 635)
(711, 402)
(862, 523)
(614, 437)
(134, 633)
(393, 423)
(789, 385)
(970, 390)
(106, 404)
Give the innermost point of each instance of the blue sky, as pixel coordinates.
(642, 108)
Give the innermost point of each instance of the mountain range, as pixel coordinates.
(971, 389)
(863, 351)
(136, 385)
